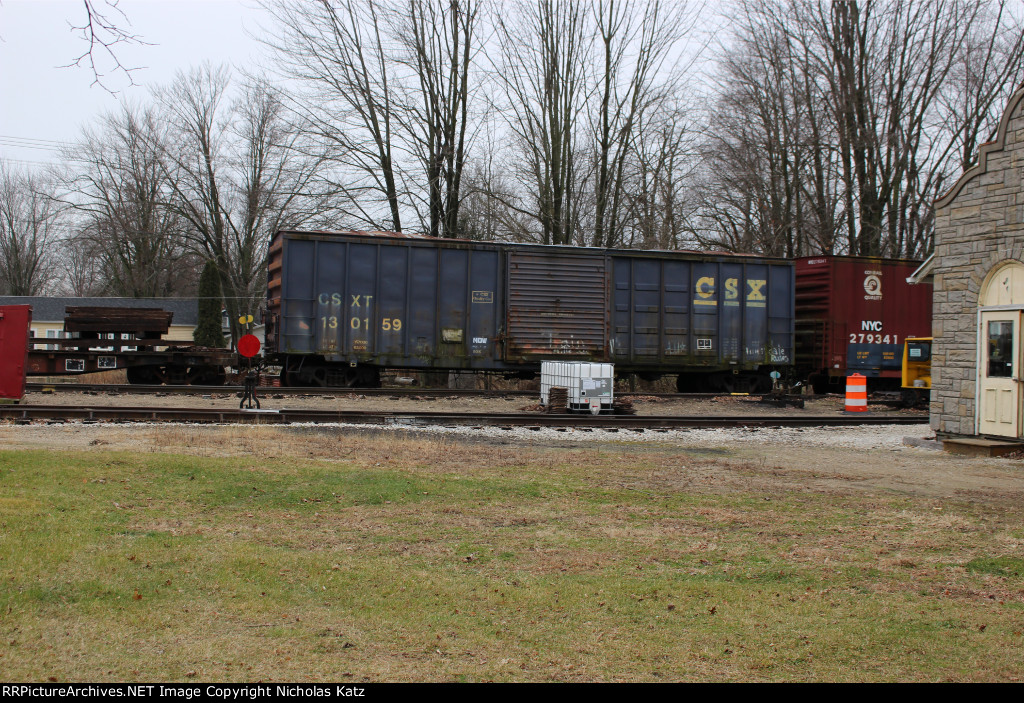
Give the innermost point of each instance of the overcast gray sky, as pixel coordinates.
(44, 104)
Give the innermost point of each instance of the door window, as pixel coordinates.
(1000, 349)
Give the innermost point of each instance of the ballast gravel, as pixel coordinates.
(857, 437)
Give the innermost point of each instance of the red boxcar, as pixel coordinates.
(853, 315)
(14, 333)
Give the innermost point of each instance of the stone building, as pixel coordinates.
(978, 306)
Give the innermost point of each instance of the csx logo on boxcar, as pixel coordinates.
(705, 289)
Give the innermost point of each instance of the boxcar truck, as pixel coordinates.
(854, 315)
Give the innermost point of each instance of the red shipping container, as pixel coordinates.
(15, 321)
(853, 315)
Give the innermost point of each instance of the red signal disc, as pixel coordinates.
(249, 346)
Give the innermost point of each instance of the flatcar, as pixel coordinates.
(854, 315)
(342, 307)
(100, 338)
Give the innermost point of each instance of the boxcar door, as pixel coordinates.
(557, 305)
(999, 373)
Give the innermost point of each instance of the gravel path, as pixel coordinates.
(858, 437)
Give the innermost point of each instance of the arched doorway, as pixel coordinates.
(1000, 372)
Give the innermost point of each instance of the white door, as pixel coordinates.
(999, 373)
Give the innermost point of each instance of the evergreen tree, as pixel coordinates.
(208, 332)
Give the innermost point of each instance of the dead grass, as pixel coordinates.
(113, 377)
(387, 449)
(268, 554)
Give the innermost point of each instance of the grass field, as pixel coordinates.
(424, 559)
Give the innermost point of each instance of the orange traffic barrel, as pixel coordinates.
(856, 393)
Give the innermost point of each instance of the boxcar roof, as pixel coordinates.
(453, 240)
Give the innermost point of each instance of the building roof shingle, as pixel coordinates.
(47, 309)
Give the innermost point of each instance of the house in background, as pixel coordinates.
(978, 305)
(48, 313)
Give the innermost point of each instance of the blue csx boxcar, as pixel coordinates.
(343, 306)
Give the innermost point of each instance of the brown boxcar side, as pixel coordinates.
(853, 315)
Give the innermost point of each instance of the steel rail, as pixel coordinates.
(406, 391)
(263, 391)
(63, 413)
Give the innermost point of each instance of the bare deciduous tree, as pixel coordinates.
(121, 193)
(857, 111)
(770, 164)
(80, 273)
(543, 72)
(485, 213)
(659, 204)
(237, 174)
(986, 72)
(441, 43)
(387, 86)
(30, 228)
(889, 63)
(104, 29)
(336, 51)
(634, 40)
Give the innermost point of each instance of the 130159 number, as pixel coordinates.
(388, 324)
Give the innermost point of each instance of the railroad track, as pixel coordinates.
(265, 391)
(26, 414)
(402, 392)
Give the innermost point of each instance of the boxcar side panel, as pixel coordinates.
(390, 301)
(422, 310)
(677, 306)
(753, 292)
(357, 332)
(781, 314)
(814, 320)
(484, 304)
(673, 313)
(327, 269)
(731, 311)
(706, 340)
(453, 292)
(298, 301)
(636, 310)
